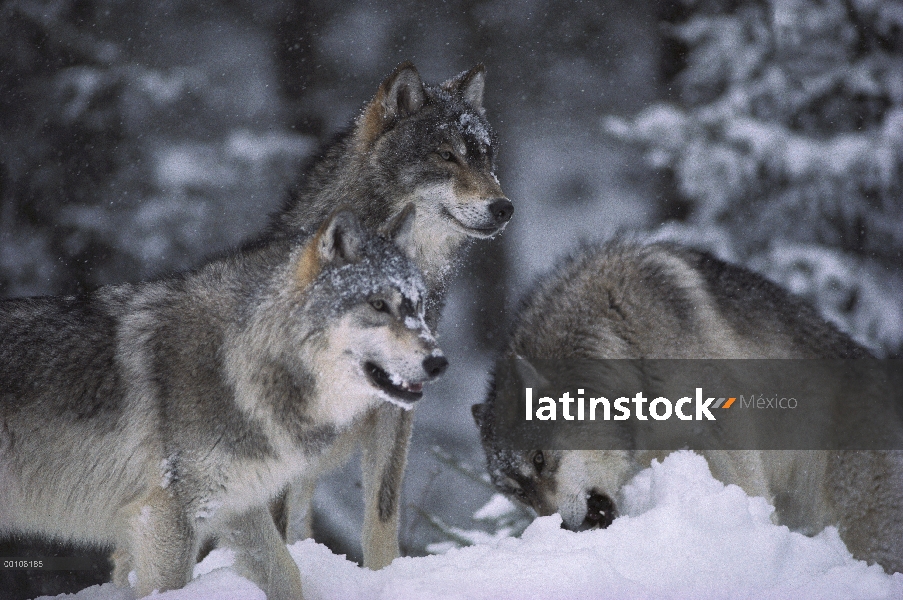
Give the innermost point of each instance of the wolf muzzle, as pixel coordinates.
(600, 513)
(406, 391)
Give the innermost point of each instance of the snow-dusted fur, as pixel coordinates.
(151, 417)
(430, 146)
(426, 145)
(663, 301)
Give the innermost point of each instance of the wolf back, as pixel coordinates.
(150, 417)
(622, 300)
(432, 147)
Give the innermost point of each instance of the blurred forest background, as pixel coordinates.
(137, 138)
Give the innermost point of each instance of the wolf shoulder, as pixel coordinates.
(56, 348)
(623, 299)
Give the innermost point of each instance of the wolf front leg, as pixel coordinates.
(160, 545)
(261, 554)
(385, 454)
(297, 511)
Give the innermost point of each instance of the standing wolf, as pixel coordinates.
(430, 146)
(151, 417)
(662, 301)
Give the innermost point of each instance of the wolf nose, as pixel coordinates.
(435, 365)
(501, 210)
(600, 510)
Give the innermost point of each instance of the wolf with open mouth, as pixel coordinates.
(173, 412)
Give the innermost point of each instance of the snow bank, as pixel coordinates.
(684, 535)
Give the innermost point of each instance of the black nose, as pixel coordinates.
(600, 510)
(435, 365)
(501, 210)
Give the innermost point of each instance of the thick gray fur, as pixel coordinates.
(623, 300)
(394, 154)
(151, 417)
(412, 144)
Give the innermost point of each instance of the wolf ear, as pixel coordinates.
(340, 239)
(401, 229)
(400, 95)
(528, 374)
(469, 85)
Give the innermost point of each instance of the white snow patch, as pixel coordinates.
(188, 165)
(208, 509)
(497, 507)
(164, 87)
(221, 558)
(166, 472)
(261, 147)
(472, 126)
(684, 535)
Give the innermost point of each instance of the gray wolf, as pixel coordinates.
(430, 146)
(622, 300)
(154, 416)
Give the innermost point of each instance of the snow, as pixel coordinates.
(683, 535)
(475, 128)
(756, 149)
(166, 470)
(497, 506)
(257, 149)
(191, 164)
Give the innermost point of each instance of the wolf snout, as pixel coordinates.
(501, 210)
(434, 366)
(600, 511)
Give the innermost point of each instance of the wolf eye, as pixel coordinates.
(379, 305)
(446, 155)
(539, 461)
(508, 485)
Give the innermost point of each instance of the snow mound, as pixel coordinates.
(683, 535)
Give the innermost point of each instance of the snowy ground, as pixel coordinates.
(684, 535)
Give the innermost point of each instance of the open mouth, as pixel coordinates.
(405, 391)
(473, 231)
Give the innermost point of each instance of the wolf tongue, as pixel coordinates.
(414, 387)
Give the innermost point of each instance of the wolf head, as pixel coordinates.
(413, 143)
(374, 296)
(442, 149)
(580, 485)
(354, 318)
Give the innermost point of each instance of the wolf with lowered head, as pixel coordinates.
(663, 301)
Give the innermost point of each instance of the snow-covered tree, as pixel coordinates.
(126, 152)
(784, 141)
